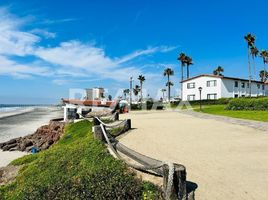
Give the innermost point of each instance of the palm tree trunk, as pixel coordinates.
(188, 73)
(181, 80)
(254, 67)
(168, 90)
(249, 72)
(141, 92)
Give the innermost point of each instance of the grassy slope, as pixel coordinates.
(77, 167)
(245, 114)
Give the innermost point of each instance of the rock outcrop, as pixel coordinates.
(42, 139)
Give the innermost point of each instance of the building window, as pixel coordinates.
(243, 95)
(190, 85)
(236, 96)
(262, 87)
(236, 83)
(191, 97)
(212, 96)
(259, 86)
(247, 85)
(212, 83)
(243, 85)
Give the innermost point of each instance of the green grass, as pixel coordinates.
(77, 167)
(242, 114)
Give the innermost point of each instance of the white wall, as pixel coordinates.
(202, 82)
(228, 89)
(224, 88)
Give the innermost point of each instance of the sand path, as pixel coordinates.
(227, 161)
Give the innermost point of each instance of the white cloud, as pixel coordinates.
(69, 59)
(42, 32)
(9, 67)
(12, 40)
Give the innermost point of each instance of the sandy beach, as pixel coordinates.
(21, 123)
(226, 161)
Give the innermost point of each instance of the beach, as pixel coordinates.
(226, 161)
(23, 122)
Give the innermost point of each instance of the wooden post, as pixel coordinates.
(116, 116)
(129, 123)
(98, 133)
(178, 188)
(96, 122)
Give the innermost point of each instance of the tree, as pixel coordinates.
(218, 71)
(254, 53)
(188, 62)
(263, 75)
(141, 79)
(264, 55)
(126, 91)
(168, 72)
(181, 58)
(163, 91)
(136, 90)
(250, 39)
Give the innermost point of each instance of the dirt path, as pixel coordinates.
(227, 161)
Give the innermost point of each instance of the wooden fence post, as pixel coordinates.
(96, 122)
(98, 133)
(178, 188)
(116, 116)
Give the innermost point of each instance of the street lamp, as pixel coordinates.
(200, 101)
(130, 92)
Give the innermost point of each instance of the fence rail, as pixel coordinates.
(174, 175)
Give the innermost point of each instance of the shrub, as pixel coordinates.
(221, 101)
(248, 104)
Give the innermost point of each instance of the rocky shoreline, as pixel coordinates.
(42, 139)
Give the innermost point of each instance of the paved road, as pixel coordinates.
(226, 160)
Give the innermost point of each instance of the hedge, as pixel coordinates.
(248, 104)
(221, 101)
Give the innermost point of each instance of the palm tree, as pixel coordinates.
(163, 91)
(263, 75)
(254, 53)
(218, 71)
(136, 90)
(188, 62)
(168, 72)
(181, 58)
(250, 39)
(126, 91)
(169, 84)
(141, 79)
(264, 55)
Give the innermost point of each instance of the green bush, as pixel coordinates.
(148, 105)
(248, 104)
(221, 101)
(77, 167)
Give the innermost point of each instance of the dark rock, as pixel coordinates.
(42, 139)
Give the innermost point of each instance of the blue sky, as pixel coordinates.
(48, 47)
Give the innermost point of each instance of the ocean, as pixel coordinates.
(17, 107)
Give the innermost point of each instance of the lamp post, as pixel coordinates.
(130, 92)
(200, 100)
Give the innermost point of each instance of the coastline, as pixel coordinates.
(21, 123)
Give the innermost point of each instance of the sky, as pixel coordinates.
(48, 48)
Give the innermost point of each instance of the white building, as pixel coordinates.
(95, 93)
(215, 87)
